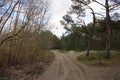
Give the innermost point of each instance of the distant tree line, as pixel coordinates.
(76, 37)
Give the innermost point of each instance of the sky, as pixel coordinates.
(59, 8)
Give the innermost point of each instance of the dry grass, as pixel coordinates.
(21, 62)
(107, 70)
(97, 58)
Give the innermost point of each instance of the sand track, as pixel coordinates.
(63, 68)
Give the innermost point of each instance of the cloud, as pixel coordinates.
(59, 9)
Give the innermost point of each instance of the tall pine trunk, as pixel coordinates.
(107, 48)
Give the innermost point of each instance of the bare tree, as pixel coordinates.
(23, 30)
(27, 12)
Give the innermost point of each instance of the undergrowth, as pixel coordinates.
(97, 58)
(28, 62)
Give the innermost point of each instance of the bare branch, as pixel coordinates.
(99, 3)
(2, 26)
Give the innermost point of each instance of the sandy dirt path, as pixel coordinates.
(62, 68)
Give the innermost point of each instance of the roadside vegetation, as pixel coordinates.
(97, 58)
(25, 41)
(30, 50)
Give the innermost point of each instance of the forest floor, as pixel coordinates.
(27, 71)
(65, 67)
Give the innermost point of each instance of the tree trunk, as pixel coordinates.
(107, 50)
(89, 46)
(92, 34)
